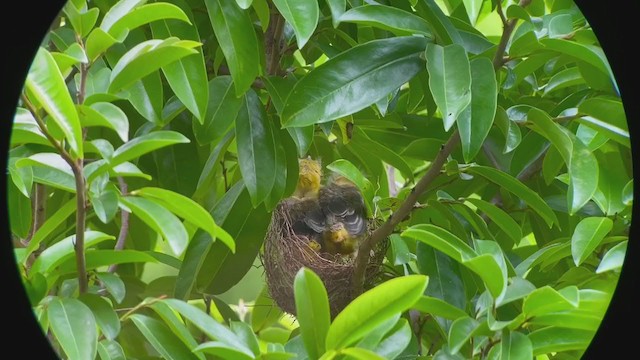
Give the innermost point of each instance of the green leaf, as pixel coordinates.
(372, 308)
(222, 109)
(302, 15)
(187, 77)
(587, 235)
(159, 219)
(353, 80)
(563, 79)
(98, 258)
(556, 339)
(147, 57)
(74, 326)
(208, 178)
(487, 263)
(546, 300)
(438, 307)
(349, 171)
(361, 354)
(237, 38)
(209, 326)
(580, 52)
(572, 319)
(63, 250)
(607, 116)
(118, 11)
(312, 309)
(45, 82)
(105, 205)
(265, 312)
(110, 350)
(396, 340)
(515, 346)
(396, 20)
(61, 214)
(106, 115)
(113, 284)
(104, 314)
(449, 80)
(97, 43)
(517, 289)
(382, 152)
(175, 323)
(256, 148)
(613, 258)
(222, 350)
(475, 121)
(187, 209)
(246, 335)
(193, 259)
(20, 212)
(57, 171)
(460, 332)
(500, 217)
(137, 147)
(514, 186)
(82, 20)
(446, 33)
(145, 14)
(337, 8)
(161, 338)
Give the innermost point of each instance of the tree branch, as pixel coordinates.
(381, 233)
(509, 26)
(124, 224)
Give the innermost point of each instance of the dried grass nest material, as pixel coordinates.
(285, 253)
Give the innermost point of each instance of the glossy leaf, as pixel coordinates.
(374, 307)
(390, 18)
(145, 14)
(438, 307)
(45, 82)
(613, 258)
(175, 323)
(445, 32)
(449, 80)
(161, 338)
(222, 108)
(582, 165)
(138, 147)
(57, 253)
(187, 209)
(105, 316)
(110, 350)
(514, 186)
(117, 11)
(51, 224)
(488, 265)
(460, 332)
(222, 350)
(302, 15)
(556, 339)
(147, 57)
(500, 217)
(194, 257)
(360, 354)
(159, 219)
(265, 312)
(20, 216)
(353, 80)
(382, 152)
(395, 341)
(515, 346)
(208, 325)
(113, 284)
(587, 235)
(234, 31)
(546, 300)
(98, 258)
(256, 148)
(207, 178)
(107, 115)
(337, 8)
(475, 121)
(74, 326)
(312, 309)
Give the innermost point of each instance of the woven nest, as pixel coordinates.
(286, 252)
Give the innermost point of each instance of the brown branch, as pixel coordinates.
(124, 224)
(509, 26)
(403, 211)
(273, 40)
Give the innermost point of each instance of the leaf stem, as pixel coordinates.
(124, 224)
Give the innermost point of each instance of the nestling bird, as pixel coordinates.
(345, 218)
(309, 179)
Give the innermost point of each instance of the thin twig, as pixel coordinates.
(403, 211)
(509, 26)
(124, 224)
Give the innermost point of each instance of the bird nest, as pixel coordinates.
(285, 253)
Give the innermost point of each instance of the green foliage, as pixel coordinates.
(153, 140)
